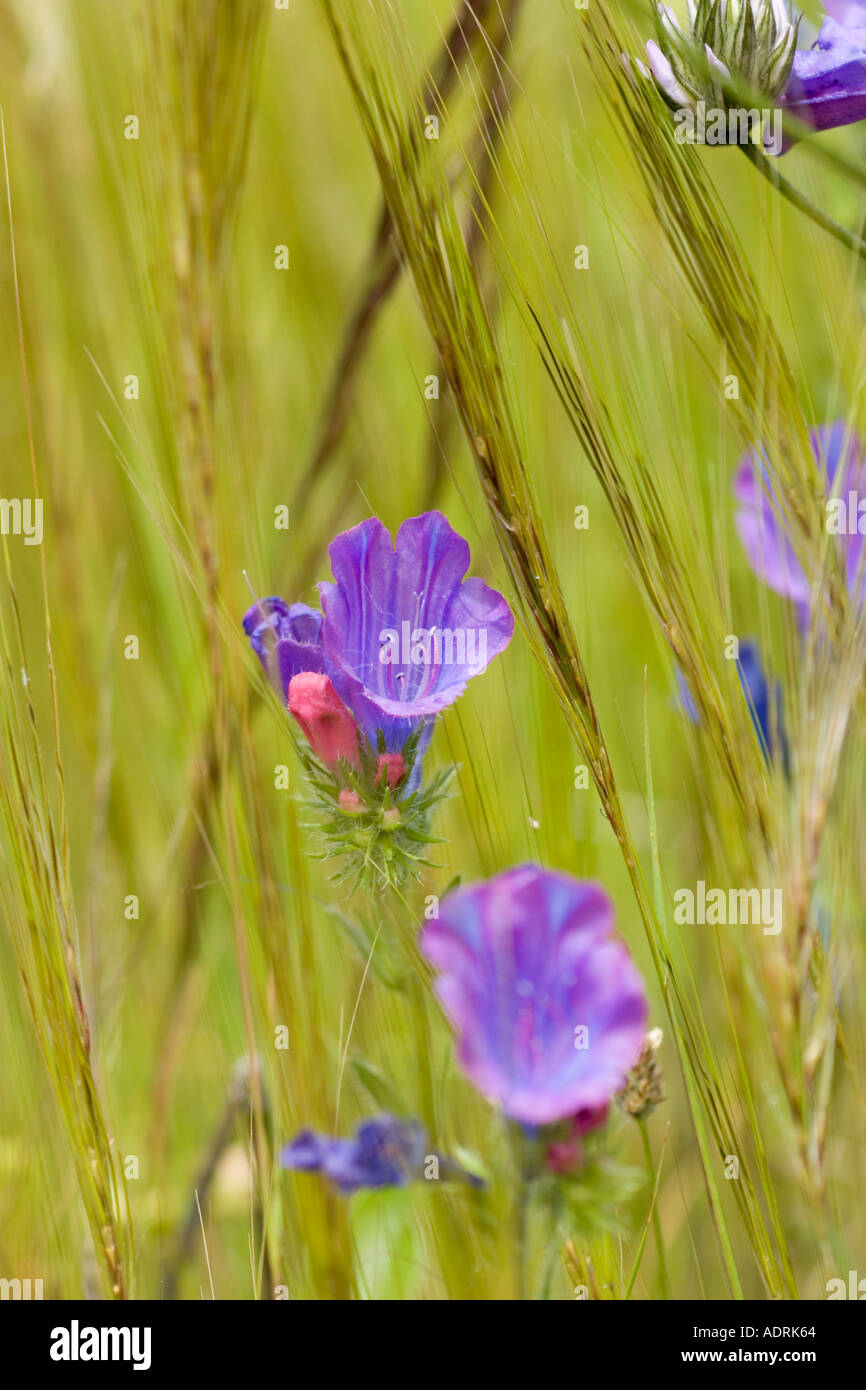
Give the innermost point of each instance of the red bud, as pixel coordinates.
(393, 766)
(330, 729)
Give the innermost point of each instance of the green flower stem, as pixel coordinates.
(553, 1247)
(522, 1167)
(766, 167)
(657, 1225)
(521, 1212)
(423, 1043)
(419, 996)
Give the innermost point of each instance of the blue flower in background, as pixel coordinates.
(764, 701)
(385, 1152)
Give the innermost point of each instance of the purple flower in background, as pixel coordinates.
(733, 47)
(827, 83)
(400, 633)
(385, 1152)
(762, 529)
(548, 1007)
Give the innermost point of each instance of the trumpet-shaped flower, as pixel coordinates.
(400, 633)
(403, 627)
(548, 1007)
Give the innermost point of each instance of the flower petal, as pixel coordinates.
(664, 75)
(827, 84)
(762, 532)
(286, 639)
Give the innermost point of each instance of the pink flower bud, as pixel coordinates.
(566, 1156)
(394, 768)
(350, 802)
(330, 729)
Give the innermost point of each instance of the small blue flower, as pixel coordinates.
(760, 697)
(385, 1152)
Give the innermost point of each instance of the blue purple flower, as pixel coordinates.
(384, 1152)
(827, 83)
(763, 698)
(548, 1007)
(403, 628)
(400, 633)
(286, 639)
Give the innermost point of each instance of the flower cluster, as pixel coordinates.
(548, 1007)
(399, 634)
(743, 50)
(747, 43)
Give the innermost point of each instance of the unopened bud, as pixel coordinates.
(392, 766)
(330, 729)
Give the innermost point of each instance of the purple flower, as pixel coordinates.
(763, 531)
(548, 1007)
(400, 633)
(287, 640)
(827, 83)
(752, 43)
(385, 1152)
(403, 627)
